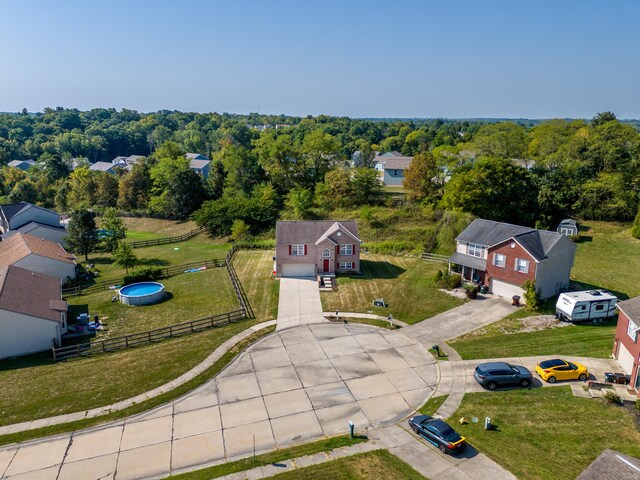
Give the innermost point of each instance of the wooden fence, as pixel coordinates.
(237, 285)
(434, 257)
(166, 272)
(135, 339)
(167, 240)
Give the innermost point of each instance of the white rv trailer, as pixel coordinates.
(587, 306)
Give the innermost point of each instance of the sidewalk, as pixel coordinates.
(411, 449)
(167, 387)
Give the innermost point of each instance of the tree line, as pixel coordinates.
(525, 173)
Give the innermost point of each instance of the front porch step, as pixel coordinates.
(328, 283)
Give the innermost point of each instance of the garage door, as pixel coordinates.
(625, 359)
(506, 290)
(298, 270)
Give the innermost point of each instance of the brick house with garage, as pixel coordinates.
(503, 257)
(626, 347)
(310, 248)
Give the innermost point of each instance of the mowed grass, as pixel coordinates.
(254, 269)
(377, 464)
(546, 433)
(190, 296)
(585, 340)
(35, 387)
(149, 228)
(405, 283)
(270, 458)
(608, 257)
(200, 247)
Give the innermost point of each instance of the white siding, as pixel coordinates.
(48, 266)
(21, 334)
(552, 274)
(625, 359)
(34, 215)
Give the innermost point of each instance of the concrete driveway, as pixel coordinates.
(460, 320)
(299, 302)
(293, 386)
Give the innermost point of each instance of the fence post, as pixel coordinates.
(53, 350)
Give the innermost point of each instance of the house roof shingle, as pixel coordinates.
(631, 308)
(18, 246)
(488, 233)
(612, 465)
(199, 164)
(195, 156)
(102, 166)
(30, 293)
(309, 231)
(396, 163)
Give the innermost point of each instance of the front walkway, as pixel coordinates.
(299, 302)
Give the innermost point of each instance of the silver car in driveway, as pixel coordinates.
(499, 374)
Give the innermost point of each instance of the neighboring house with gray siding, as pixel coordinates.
(309, 248)
(392, 166)
(15, 215)
(39, 255)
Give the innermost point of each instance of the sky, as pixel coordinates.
(397, 58)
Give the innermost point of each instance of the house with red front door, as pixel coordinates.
(503, 257)
(626, 346)
(310, 248)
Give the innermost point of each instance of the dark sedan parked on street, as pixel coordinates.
(438, 432)
(498, 374)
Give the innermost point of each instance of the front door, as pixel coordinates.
(325, 265)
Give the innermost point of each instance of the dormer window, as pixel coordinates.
(475, 250)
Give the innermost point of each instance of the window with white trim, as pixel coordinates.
(326, 253)
(475, 250)
(632, 331)
(345, 265)
(522, 265)
(499, 260)
(297, 250)
(346, 249)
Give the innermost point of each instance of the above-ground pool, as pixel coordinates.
(143, 293)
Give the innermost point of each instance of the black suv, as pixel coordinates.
(498, 374)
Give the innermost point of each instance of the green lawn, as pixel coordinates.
(546, 433)
(144, 228)
(46, 388)
(433, 404)
(269, 458)
(608, 257)
(190, 296)
(405, 283)
(378, 464)
(254, 269)
(200, 247)
(582, 340)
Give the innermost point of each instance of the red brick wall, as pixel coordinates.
(509, 272)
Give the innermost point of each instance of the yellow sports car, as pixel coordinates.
(558, 369)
